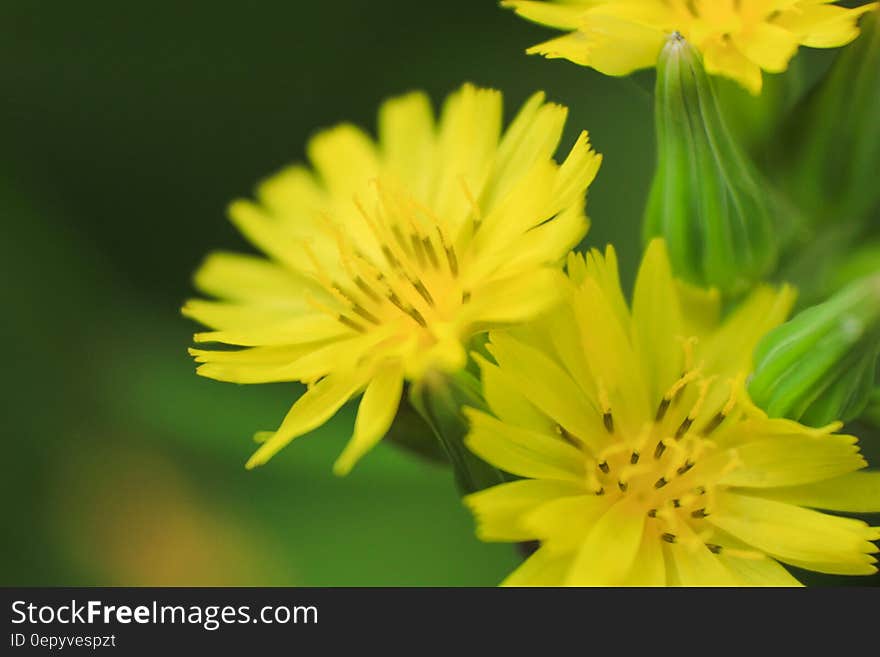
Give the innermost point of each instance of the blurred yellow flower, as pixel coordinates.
(737, 38)
(643, 460)
(391, 254)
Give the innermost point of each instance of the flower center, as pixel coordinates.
(671, 469)
(400, 272)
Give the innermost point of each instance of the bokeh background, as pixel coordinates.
(126, 128)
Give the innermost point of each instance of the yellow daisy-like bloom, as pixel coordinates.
(737, 38)
(643, 460)
(388, 256)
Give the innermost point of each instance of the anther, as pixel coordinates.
(422, 290)
(661, 482)
(429, 249)
(366, 289)
(713, 548)
(565, 435)
(652, 513)
(687, 466)
(604, 467)
(683, 428)
(661, 410)
(465, 296)
(658, 452)
(714, 423)
(699, 513)
(676, 503)
(350, 323)
(370, 317)
(452, 260)
(601, 491)
(700, 490)
(634, 458)
(623, 486)
(608, 419)
(669, 538)
(394, 262)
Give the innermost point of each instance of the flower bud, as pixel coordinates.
(828, 155)
(439, 399)
(820, 366)
(707, 200)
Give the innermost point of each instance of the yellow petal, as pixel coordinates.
(758, 572)
(564, 523)
(824, 26)
(564, 17)
(857, 492)
(522, 452)
(789, 532)
(789, 460)
(609, 551)
(507, 402)
(694, 563)
(375, 415)
(563, 401)
(240, 277)
(407, 137)
(345, 158)
(722, 57)
(657, 320)
(543, 568)
(310, 411)
(500, 510)
(729, 350)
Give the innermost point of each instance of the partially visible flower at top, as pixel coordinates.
(390, 255)
(644, 462)
(737, 38)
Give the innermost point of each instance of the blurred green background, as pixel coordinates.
(126, 129)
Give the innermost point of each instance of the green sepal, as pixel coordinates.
(708, 200)
(827, 155)
(439, 399)
(820, 366)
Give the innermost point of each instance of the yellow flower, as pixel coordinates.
(643, 460)
(389, 255)
(737, 38)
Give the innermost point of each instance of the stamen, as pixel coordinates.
(661, 482)
(422, 290)
(601, 491)
(392, 260)
(350, 323)
(652, 513)
(623, 486)
(604, 467)
(475, 207)
(417, 248)
(566, 436)
(661, 410)
(669, 538)
(370, 317)
(714, 423)
(683, 428)
(608, 420)
(713, 548)
(428, 245)
(661, 447)
(676, 503)
(634, 458)
(687, 466)
(366, 289)
(699, 513)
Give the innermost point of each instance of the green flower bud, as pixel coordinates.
(820, 366)
(707, 200)
(439, 399)
(828, 155)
